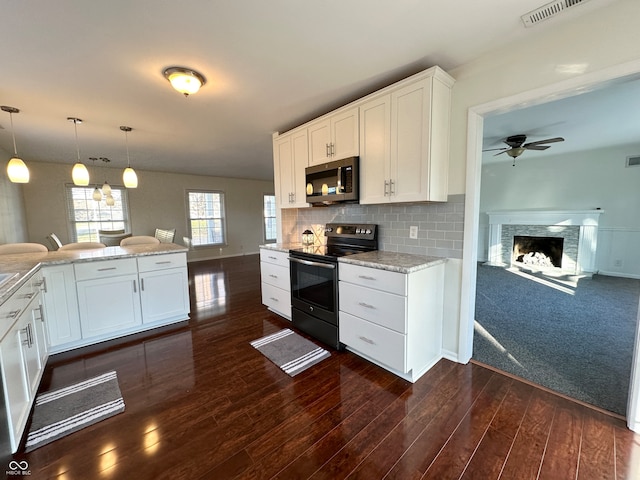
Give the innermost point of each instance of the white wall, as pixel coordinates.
(12, 216)
(575, 181)
(158, 202)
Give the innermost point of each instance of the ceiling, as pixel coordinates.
(270, 66)
(606, 117)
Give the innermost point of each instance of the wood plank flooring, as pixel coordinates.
(201, 403)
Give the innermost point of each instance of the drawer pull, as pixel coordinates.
(14, 313)
(106, 268)
(273, 276)
(40, 283)
(163, 263)
(366, 305)
(367, 340)
(29, 295)
(366, 277)
(274, 299)
(273, 258)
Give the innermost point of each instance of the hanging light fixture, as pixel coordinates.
(80, 174)
(129, 176)
(97, 194)
(106, 188)
(184, 80)
(16, 168)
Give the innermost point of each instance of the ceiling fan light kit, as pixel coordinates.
(516, 145)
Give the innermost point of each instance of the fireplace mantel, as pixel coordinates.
(586, 220)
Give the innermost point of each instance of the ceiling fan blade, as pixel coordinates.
(536, 147)
(548, 140)
(504, 151)
(494, 149)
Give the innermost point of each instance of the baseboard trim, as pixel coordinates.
(548, 390)
(618, 274)
(450, 355)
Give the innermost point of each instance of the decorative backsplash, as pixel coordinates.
(440, 225)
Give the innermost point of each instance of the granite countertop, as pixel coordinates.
(392, 261)
(281, 247)
(23, 265)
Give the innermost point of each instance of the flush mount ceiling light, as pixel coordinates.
(16, 168)
(79, 174)
(184, 80)
(129, 176)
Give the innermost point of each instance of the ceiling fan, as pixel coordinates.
(517, 146)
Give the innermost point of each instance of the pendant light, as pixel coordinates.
(80, 174)
(16, 168)
(97, 194)
(106, 188)
(129, 176)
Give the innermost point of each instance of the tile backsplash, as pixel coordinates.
(440, 225)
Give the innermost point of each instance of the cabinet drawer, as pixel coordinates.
(11, 309)
(277, 299)
(273, 256)
(376, 342)
(275, 275)
(160, 262)
(385, 309)
(105, 268)
(392, 282)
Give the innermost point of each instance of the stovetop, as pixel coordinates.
(343, 239)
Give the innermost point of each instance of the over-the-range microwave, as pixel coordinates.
(333, 182)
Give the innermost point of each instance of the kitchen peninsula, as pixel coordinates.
(52, 302)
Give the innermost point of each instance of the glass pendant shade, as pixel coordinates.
(17, 171)
(97, 195)
(130, 178)
(110, 201)
(80, 175)
(106, 188)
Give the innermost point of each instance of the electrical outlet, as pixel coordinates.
(413, 232)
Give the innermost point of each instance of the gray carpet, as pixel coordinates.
(574, 340)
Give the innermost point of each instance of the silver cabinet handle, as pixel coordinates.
(333, 149)
(29, 295)
(14, 313)
(326, 145)
(367, 340)
(272, 258)
(142, 284)
(366, 305)
(273, 276)
(366, 277)
(30, 330)
(41, 313)
(274, 299)
(392, 190)
(386, 186)
(44, 283)
(313, 264)
(106, 268)
(135, 288)
(25, 341)
(163, 263)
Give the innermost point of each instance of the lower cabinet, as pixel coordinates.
(60, 300)
(22, 357)
(276, 284)
(164, 288)
(393, 319)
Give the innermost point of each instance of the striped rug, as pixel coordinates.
(60, 412)
(289, 351)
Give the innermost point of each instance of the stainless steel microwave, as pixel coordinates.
(333, 182)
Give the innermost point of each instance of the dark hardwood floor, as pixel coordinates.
(201, 403)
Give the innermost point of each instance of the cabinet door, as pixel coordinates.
(283, 162)
(61, 305)
(14, 379)
(41, 332)
(300, 160)
(108, 305)
(410, 126)
(30, 354)
(344, 135)
(164, 295)
(375, 150)
(319, 142)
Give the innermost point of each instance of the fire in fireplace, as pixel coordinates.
(538, 251)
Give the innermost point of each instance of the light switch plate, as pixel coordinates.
(413, 231)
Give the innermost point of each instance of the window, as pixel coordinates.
(206, 217)
(86, 216)
(269, 214)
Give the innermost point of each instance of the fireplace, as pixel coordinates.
(541, 252)
(576, 229)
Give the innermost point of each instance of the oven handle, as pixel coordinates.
(313, 264)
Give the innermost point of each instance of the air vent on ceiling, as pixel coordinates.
(633, 161)
(549, 10)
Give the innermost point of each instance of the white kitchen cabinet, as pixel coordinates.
(108, 297)
(393, 319)
(334, 137)
(60, 300)
(164, 290)
(291, 157)
(276, 283)
(21, 361)
(404, 140)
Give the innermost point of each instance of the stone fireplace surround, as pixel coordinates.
(579, 228)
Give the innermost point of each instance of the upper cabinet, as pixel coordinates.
(404, 140)
(290, 158)
(334, 137)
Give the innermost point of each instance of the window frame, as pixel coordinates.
(265, 217)
(72, 222)
(223, 220)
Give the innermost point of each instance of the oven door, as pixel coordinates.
(314, 287)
